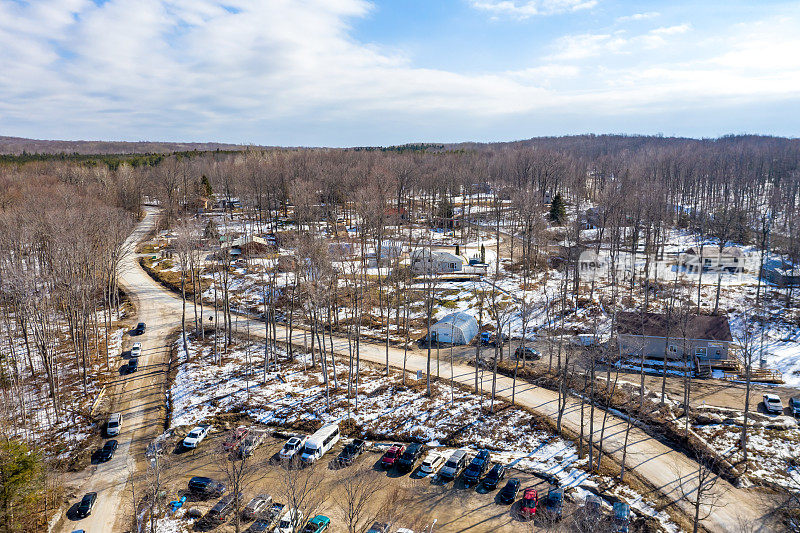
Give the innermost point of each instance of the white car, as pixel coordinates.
(772, 403)
(432, 463)
(290, 521)
(195, 436)
(136, 349)
(292, 446)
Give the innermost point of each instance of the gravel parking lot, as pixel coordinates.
(406, 500)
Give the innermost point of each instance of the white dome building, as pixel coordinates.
(455, 328)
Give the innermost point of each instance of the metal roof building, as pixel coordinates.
(455, 328)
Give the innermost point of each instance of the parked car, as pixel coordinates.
(454, 465)
(261, 525)
(196, 436)
(772, 403)
(256, 506)
(106, 453)
(140, 328)
(489, 338)
(318, 524)
(404, 530)
(85, 506)
(205, 486)
(234, 438)
(622, 517)
(554, 504)
(290, 521)
(530, 500)
(528, 353)
(794, 403)
(509, 492)
(495, 476)
(269, 519)
(432, 463)
(291, 447)
(114, 425)
(410, 457)
(392, 454)
(133, 365)
(350, 451)
(477, 468)
(136, 349)
(379, 527)
(222, 508)
(252, 441)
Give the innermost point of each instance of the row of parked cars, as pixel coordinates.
(773, 404)
(267, 514)
(481, 470)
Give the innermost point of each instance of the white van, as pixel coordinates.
(320, 443)
(113, 425)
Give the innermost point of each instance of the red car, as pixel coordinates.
(392, 455)
(235, 438)
(530, 499)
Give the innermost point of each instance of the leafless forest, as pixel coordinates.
(63, 226)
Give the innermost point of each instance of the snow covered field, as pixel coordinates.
(295, 397)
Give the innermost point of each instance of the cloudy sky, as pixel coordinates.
(358, 72)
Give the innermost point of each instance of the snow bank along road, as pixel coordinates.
(671, 473)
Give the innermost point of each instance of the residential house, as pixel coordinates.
(250, 246)
(730, 259)
(424, 261)
(654, 334)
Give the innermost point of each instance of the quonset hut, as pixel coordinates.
(455, 328)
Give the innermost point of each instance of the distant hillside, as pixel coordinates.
(18, 145)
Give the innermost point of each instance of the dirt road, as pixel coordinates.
(663, 468)
(140, 397)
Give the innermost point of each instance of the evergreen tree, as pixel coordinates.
(207, 191)
(20, 485)
(558, 212)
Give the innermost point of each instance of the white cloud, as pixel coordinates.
(290, 71)
(528, 8)
(639, 16)
(586, 45)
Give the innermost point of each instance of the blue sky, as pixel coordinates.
(355, 72)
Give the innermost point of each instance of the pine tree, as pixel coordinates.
(207, 190)
(557, 210)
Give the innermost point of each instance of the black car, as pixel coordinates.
(527, 353)
(85, 507)
(495, 476)
(107, 451)
(477, 468)
(140, 327)
(554, 504)
(794, 404)
(222, 508)
(351, 451)
(205, 486)
(412, 454)
(133, 364)
(509, 492)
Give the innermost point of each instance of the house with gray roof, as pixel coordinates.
(705, 337)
